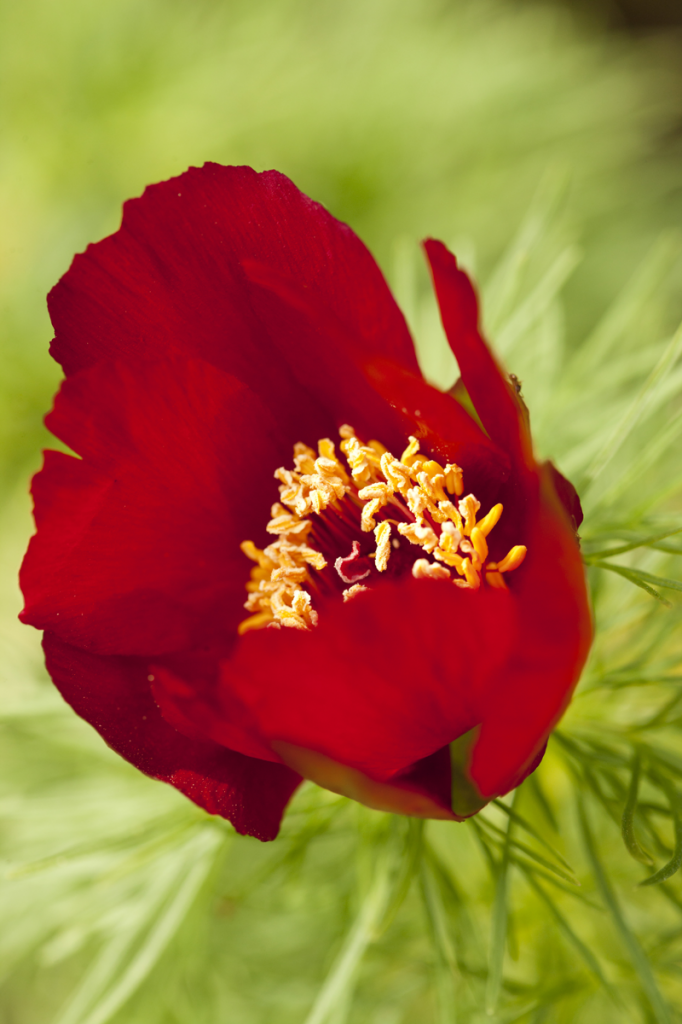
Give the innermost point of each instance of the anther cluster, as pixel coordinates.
(322, 503)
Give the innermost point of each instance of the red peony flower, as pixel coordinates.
(396, 645)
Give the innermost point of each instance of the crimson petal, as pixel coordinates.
(494, 397)
(385, 680)
(171, 281)
(146, 525)
(555, 632)
(113, 695)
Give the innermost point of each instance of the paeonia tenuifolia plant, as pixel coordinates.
(279, 553)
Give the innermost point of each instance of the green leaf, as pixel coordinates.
(628, 824)
(364, 931)
(628, 938)
(527, 827)
(110, 982)
(498, 937)
(644, 542)
(639, 578)
(627, 305)
(583, 950)
(675, 861)
(568, 876)
(446, 964)
(537, 303)
(642, 401)
(646, 458)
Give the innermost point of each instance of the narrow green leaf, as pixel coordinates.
(515, 844)
(633, 575)
(160, 935)
(362, 933)
(498, 938)
(542, 296)
(533, 782)
(126, 959)
(644, 542)
(555, 881)
(628, 303)
(675, 861)
(647, 457)
(627, 936)
(628, 824)
(527, 827)
(501, 290)
(446, 965)
(637, 408)
(584, 951)
(408, 863)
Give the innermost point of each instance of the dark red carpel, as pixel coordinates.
(228, 318)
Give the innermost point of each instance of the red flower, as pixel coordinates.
(227, 321)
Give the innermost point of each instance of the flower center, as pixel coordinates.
(336, 526)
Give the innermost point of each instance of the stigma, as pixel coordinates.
(344, 521)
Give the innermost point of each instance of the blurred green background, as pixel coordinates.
(470, 120)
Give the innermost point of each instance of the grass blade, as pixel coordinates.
(629, 302)
(584, 951)
(675, 861)
(515, 845)
(644, 461)
(639, 578)
(539, 300)
(643, 543)
(636, 953)
(498, 938)
(446, 966)
(527, 827)
(193, 867)
(637, 408)
(628, 824)
(363, 932)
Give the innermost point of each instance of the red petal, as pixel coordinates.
(189, 706)
(113, 695)
(555, 631)
(137, 550)
(491, 392)
(444, 428)
(385, 679)
(170, 280)
(380, 398)
(326, 357)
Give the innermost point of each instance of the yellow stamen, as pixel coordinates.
(304, 458)
(486, 524)
(423, 569)
(496, 581)
(256, 621)
(396, 473)
(432, 479)
(416, 488)
(367, 519)
(383, 491)
(447, 511)
(513, 559)
(418, 502)
(470, 574)
(383, 538)
(454, 479)
(468, 508)
(424, 536)
(411, 450)
(479, 542)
